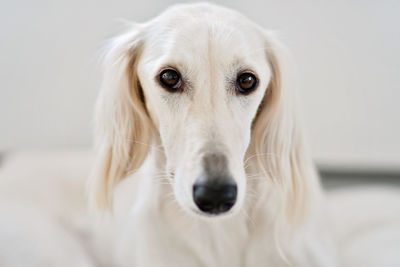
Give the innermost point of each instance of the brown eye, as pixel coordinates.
(171, 80)
(246, 83)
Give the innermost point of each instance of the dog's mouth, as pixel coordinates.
(212, 216)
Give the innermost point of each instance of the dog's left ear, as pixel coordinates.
(123, 127)
(277, 140)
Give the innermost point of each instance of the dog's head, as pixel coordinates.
(204, 85)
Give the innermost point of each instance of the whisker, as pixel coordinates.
(158, 148)
(260, 155)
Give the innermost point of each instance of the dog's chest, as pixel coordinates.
(176, 241)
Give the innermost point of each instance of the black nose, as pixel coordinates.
(214, 197)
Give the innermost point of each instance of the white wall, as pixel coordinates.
(346, 53)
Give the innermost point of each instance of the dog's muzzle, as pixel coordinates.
(215, 191)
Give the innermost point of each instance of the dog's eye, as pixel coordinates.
(246, 83)
(171, 80)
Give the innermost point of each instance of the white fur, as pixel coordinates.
(149, 146)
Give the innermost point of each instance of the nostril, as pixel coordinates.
(214, 197)
(205, 206)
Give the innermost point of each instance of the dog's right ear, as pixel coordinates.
(122, 125)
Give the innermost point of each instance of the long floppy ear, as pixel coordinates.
(277, 141)
(122, 124)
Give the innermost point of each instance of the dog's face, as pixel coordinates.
(205, 84)
(203, 77)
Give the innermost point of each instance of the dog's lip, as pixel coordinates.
(211, 215)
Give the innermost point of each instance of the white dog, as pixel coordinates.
(201, 157)
(196, 108)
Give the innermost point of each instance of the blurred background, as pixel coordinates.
(346, 54)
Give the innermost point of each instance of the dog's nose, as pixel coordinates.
(214, 197)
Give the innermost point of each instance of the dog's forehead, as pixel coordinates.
(198, 36)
